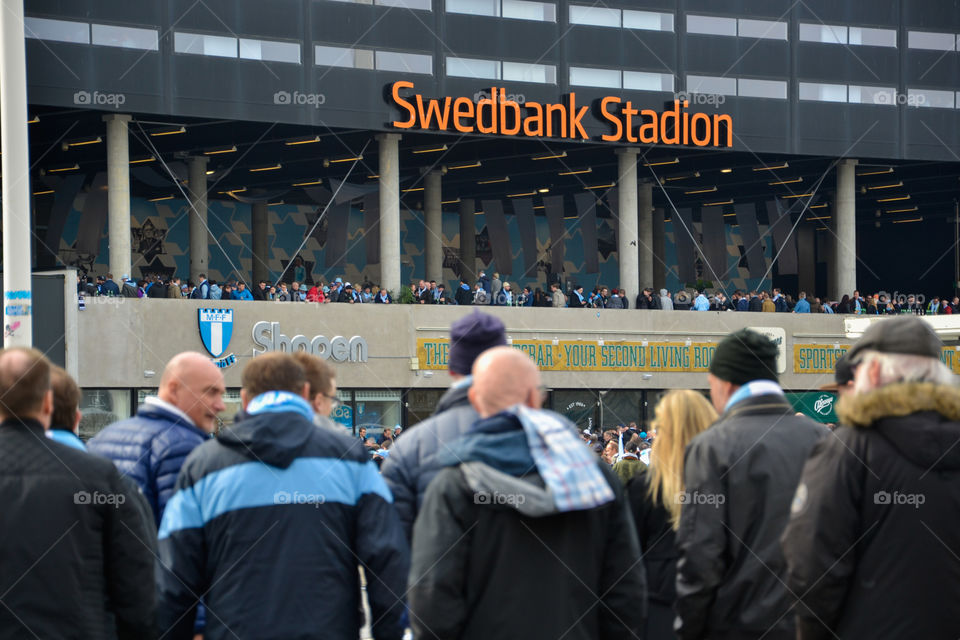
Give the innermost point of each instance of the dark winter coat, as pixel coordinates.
(872, 542)
(740, 476)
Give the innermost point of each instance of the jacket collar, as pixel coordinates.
(153, 405)
(899, 400)
(21, 423)
(767, 403)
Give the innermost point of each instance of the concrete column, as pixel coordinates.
(15, 166)
(845, 213)
(118, 193)
(199, 236)
(645, 233)
(806, 255)
(627, 250)
(259, 243)
(468, 240)
(389, 212)
(659, 251)
(433, 219)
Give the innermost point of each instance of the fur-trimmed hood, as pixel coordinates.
(921, 419)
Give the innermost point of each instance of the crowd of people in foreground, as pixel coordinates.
(492, 518)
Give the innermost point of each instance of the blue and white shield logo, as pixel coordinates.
(216, 329)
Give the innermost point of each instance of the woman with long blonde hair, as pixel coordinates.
(657, 496)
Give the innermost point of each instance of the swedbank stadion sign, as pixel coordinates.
(496, 114)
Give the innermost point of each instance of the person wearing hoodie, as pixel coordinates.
(463, 295)
(701, 302)
(522, 520)
(412, 464)
(666, 303)
(271, 522)
(871, 544)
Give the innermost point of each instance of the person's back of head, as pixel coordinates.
(502, 378)
(321, 377)
(25, 386)
(272, 372)
(66, 400)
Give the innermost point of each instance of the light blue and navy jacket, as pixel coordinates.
(269, 523)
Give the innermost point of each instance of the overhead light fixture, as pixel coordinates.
(797, 195)
(822, 205)
(411, 189)
(450, 201)
(908, 210)
(495, 180)
(685, 176)
(772, 167)
(328, 162)
(908, 220)
(373, 176)
(819, 218)
(217, 150)
(539, 206)
(794, 181)
(142, 160)
(717, 204)
(271, 204)
(61, 169)
(470, 165)
(169, 131)
(710, 190)
(43, 193)
(727, 170)
(272, 167)
(562, 154)
(576, 172)
(80, 142)
(543, 190)
(660, 163)
(431, 149)
(210, 172)
(230, 191)
(161, 198)
(307, 184)
(729, 215)
(601, 186)
(876, 173)
(520, 195)
(892, 185)
(894, 199)
(304, 140)
(33, 120)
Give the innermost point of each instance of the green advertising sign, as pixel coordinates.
(819, 405)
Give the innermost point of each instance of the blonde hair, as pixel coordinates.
(680, 415)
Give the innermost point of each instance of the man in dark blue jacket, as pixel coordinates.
(151, 446)
(271, 521)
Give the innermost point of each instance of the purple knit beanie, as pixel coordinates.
(470, 336)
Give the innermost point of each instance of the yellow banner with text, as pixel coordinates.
(822, 358)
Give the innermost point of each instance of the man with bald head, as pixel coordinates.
(517, 509)
(75, 560)
(151, 446)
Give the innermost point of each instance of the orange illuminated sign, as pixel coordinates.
(495, 114)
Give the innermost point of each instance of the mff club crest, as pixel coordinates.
(216, 329)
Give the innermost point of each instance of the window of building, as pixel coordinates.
(838, 34)
(823, 92)
(647, 20)
(871, 95)
(404, 62)
(375, 409)
(712, 84)
(473, 68)
(932, 41)
(422, 5)
(873, 37)
(125, 37)
(526, 10)
(594, 16)
(57, 30)
(270, 50)
(711, 25)
(764, 29)
(646, 81)
(828, 34)
(751, 88)
(474, 7)
(101, 407)
(591, 77)
(343, 57)
(205, 45)
(931, 98)
(530, 72)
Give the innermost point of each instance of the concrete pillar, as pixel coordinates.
(118, 193)
(627, 250)
(659, 251)
(806, 255)
(468, 240)
(259, 243)
(433, 221)
(199, 236)
(389, 212)
(645, 232)
(845, 213)
(15, 166)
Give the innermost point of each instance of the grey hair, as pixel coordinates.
(901, 367)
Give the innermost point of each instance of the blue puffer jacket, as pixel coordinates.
(149, 448)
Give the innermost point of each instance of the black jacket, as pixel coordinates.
(76, 547)
(519, 568)
(872, 542)
(740, 477)
(269, 523)
(657, 539)
(756, 304)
